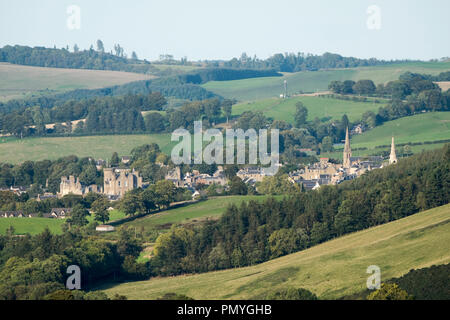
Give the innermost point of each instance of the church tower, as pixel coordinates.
(393, 156)
(347, 151)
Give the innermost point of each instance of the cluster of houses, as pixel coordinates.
(324, 172)
(192, 180)
(55, 213)
(119, 181)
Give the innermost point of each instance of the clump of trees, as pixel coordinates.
(291, 293)
(34, 267)
(389, 291)
(155, 197)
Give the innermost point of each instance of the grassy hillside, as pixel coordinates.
(210, 208)
(284, 109)
(254, 89)
(331, 270)
(422, 127)
(429, 126)
(18, 81)
(13, 150)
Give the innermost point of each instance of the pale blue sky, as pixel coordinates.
(211, 29)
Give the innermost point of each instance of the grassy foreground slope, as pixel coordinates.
(284, 109)
(312, 81)
(331, 270)
(18, 81)
(14, 150)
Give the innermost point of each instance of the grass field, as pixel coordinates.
(260, 88)
(13, 150)
(211, 208)
(369, 152)
(331, 270)
(18, 81)
(31, 225)
(37, 225)
(430, 126)
(284, 109)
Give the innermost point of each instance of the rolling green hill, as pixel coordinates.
(211, 208)
(284, 109)
(17, 81)
(14, 150)
(331, 270)
(254, 89)
(430, 126)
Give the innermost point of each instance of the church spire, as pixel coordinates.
(347, 151)
(393, 156)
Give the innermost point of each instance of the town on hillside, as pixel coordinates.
(117, 181)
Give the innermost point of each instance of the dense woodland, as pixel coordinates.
(256, 232)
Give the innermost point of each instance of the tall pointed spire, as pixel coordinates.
(393, 156)
(347, 151)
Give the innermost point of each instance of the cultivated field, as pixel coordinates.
(14, 150)
(331, 270)
(284, 109)
(17, 81)
(260, 88)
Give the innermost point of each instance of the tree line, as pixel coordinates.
(295, 62)
(77, 59)
(102, 114)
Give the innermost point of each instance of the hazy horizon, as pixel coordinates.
(207, 30)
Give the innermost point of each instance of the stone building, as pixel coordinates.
(72, 185)
(117, 182)
(347, 163)
(393, 155)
